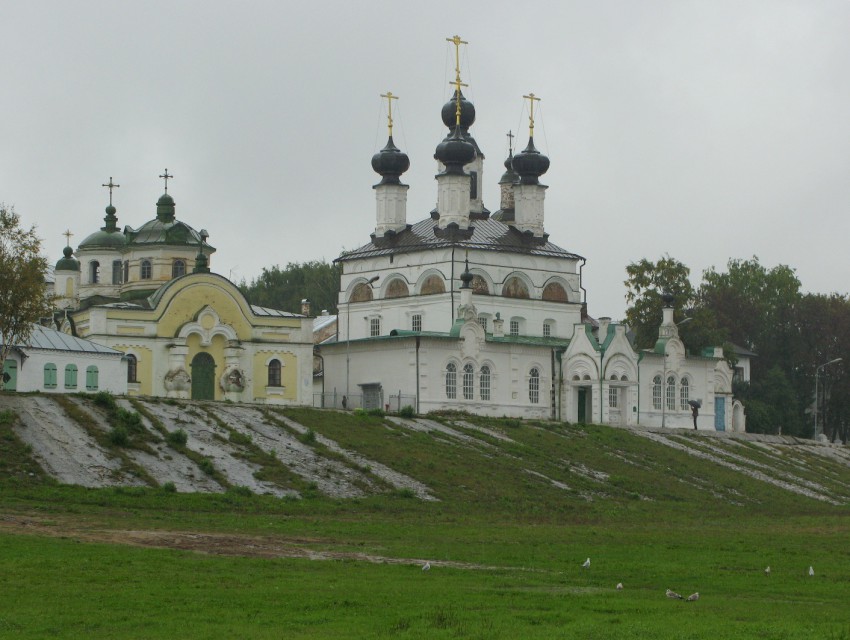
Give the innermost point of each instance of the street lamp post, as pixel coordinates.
(664, 378)
(370, 282)
(817, 373)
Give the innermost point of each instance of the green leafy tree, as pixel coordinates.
(646, 283)
(23, 297)
(283, 289)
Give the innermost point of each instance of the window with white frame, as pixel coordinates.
(484, 383)
(656, 393)
(374, 327)
(670, 393)
(613, 397)
(146, 270)
(451, 381)
(482, 320)
(534, 386)
(468, 381)
(416, 322)
(684, 394)
(514, 327)
(547, 329)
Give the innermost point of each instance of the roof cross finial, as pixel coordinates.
(458, 84)
(531, 98)
(390, 97)
(166, 176)
(510, 143)
(111, 186)
(68, 234)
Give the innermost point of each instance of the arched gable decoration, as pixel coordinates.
(362, 292)
(397, 288)
(432, 284)
(555, 292)
(208, 325)
(515, 287)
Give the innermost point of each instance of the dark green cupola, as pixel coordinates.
(68, 262)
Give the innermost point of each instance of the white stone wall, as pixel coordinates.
(112, 371)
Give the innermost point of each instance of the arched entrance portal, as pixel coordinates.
(203, 377)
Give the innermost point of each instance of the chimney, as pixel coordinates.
(305, 307)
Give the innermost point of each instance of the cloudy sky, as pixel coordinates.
(705, 130)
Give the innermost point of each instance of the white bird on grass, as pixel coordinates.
(586, 564)
(767, 571)
(693, 597)
(426, 566)
(619, 586)
(811, 571)
(673, 594)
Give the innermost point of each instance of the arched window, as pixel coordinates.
(684, 394)
(554, 292)
(274, 373)
(147, 270)
(361, 293)
(50, 376)
(670, 393)
(116, 272)
(468, 381)
(91, 378)
(397, 288)
(94, 272)
(433, 284)
(178, 268)
(656, 393)
(484, 383)
(451, 381)
(71, 376)
(132, 367)
(613, 397)
(534, 386)
(515, 288)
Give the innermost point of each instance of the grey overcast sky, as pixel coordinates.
(705, 130)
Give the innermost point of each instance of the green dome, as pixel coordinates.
(68, 263)
(109, 239)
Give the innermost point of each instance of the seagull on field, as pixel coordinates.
(811, 571)
(586, 564)
(426, 566)
(619, 586)
(693, 597)
(673, 594)
(767, 571)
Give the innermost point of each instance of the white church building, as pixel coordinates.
(479, 312)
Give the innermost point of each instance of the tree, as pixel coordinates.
(646, 283)
(23, 299)
(283, 289)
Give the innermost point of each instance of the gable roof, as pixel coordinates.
(53, 340)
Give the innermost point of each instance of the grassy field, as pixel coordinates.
(505, 548)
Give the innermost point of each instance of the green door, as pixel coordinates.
(10, 375)
(203, 377)
(582, 405)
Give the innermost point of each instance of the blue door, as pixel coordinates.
(720, 414)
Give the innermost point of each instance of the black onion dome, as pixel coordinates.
(509, 176)
(390, 162)
(455, 152)
(68, 263)
(530, 164)
(449, 112)
(466, 277)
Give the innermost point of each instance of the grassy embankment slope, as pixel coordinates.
(519, 509)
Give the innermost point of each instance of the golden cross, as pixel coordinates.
(390, 97)
(531, 98)
(111, 186)
(166, 176)
(68, 235)
(458, 84)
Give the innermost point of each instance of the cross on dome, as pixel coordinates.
(68, 233)
(390, 97)
(111, 186)
(531, 98)
(457, 83)
(166, 176)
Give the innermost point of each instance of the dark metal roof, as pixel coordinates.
(53, 340)
(488, 235)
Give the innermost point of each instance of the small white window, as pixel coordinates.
(656, 393)
(451, 381)
(416, 322)
(482, 320)
(468, 381)
(671, 393)
(484, 383)
(534, 386)
(613, 397)
(514, 327)
(547, 329)
(684, 395)
(374, 327)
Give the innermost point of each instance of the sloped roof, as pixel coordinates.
(488, 235)
(53, 340)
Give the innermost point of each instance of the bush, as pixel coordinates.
(206, 466)
(379, 413)
(104, 399)
(129, 420)
(407, 411)
(239, 438)
(119, 437)
(169, 487)
(308, 437)
(177, 438)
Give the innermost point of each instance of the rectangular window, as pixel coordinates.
(547, 329)
(71, 376)
(116, 272)
(613, 397)
(485, 383)
(416, 322)
(482, 320)
(374, 327)
(514, 327)
(50, 376)
(91, 378)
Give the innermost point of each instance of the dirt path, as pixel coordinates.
(223, 544)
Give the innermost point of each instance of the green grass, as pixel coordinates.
(505, 544)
